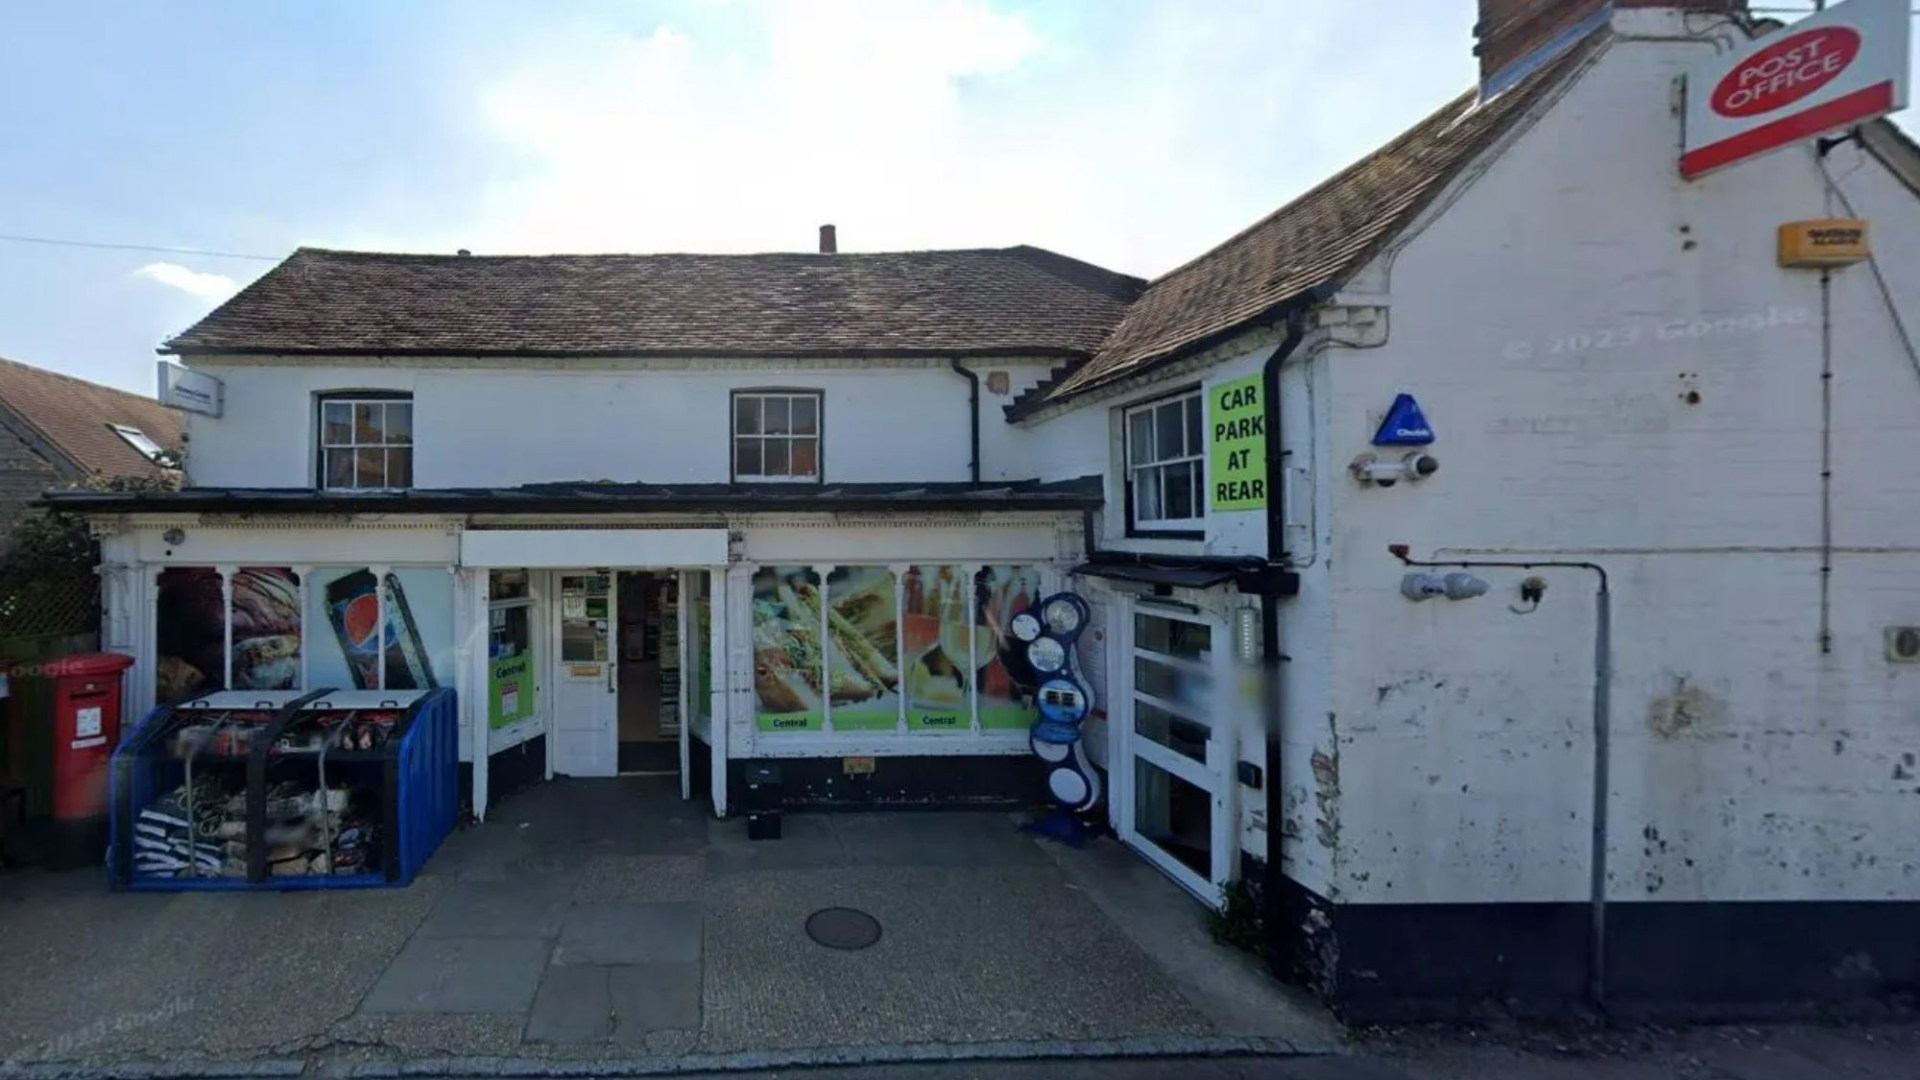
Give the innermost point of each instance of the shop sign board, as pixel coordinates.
(189, 390)
(1841, 67)
(1237, 444)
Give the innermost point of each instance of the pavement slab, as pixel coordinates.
(640, 878)
(527, 906)
(650, 999)
(572, 1006)
(461, 975)
(645, 933)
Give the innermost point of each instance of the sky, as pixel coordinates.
(1132, 133)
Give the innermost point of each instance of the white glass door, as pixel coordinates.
(1171, 783)
(585, 698)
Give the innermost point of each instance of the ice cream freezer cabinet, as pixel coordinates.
(243, 789)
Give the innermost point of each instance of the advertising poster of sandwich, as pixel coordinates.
(1007, 682)
(863, 649)
(192, 623)
(936, 626)
(350, 652)
(789, 665)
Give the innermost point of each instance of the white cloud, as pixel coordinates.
(1135, 142)
(194, 282)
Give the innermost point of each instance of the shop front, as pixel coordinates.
(866, 656)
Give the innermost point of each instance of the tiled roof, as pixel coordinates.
(73, 415)
(1007, 301)
(1312, 243)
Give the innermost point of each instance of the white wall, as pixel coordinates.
(1555, 325)
(1088, 440)
(505, 426)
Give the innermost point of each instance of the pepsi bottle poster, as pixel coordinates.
(348, 650)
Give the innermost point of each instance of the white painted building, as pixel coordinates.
(1623, 386)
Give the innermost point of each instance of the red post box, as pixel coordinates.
(86, 727)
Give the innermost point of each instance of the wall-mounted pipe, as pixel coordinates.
(1272, 657)
(1602, 746)
(1826, 462)
(973, 414)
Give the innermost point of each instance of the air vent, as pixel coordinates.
(1903, 644)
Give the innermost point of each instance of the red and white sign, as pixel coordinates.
(1844, 66)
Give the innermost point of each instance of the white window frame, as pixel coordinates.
(322, 446)
(1194, 455)
(818, 437)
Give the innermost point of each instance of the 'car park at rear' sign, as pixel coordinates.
(1841, 67)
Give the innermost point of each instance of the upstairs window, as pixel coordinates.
(1166, 478)
(776, 435)
(366, 442)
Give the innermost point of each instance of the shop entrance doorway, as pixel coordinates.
(586, 688)
(648, 677)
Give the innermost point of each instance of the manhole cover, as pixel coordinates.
(843, 928)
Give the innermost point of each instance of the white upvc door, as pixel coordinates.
(1172, 780)
(585, 688)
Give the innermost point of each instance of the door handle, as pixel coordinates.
(610, 687)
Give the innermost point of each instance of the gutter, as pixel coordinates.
(973, 414)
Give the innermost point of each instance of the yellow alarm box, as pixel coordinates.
(1823, 242)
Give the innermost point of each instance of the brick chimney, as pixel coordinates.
(1516, 36)
(829, 243)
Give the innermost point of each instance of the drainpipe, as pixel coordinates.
(1602, 749)
(973, 413)
(1826, 462)
(1271, 657)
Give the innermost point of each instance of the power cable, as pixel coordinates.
(58, 242)
(1873, 264)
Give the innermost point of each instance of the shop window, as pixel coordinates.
(191, 619)
(266, 628)
(703, 655)
(366, 441)
(789, 664)
(863, 648)
(1165, 459)
(937, 631)
(508, 585)
(190, 632)
(416, 650)
(510, 687)
(1008, 682)
(776, 435)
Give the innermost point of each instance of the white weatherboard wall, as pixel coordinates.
(537, 421)
(1617, 371)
